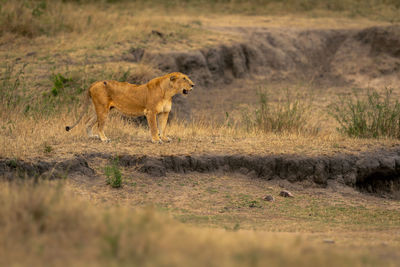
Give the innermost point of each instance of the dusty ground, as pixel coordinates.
(337, 217)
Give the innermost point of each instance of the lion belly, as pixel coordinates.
(129, 101)
(130, 109)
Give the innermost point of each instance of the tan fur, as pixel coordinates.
(150, 99)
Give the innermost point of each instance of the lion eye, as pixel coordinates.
(184, 78)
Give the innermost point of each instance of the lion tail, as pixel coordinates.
(85, 109)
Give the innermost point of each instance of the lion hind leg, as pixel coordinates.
(102, 114)
(89, 127)
(101, 120)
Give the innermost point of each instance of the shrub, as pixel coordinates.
(113, 174)
(289, 114)
(372, 116)
(64, 94)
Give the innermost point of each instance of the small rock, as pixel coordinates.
(269, 198)
(285, 193)
(329, 241)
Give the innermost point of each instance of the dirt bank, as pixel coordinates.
(375, 172)
(365, 57)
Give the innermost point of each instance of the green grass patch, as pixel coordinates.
(113, 174)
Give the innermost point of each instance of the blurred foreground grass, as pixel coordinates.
(44, 224)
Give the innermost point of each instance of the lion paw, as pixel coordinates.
(165, 139)
(159, 141)
(95, 136)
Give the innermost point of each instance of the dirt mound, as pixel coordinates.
(364, 57)
(11, 169)
(375, 172)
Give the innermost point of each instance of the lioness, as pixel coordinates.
(150, 99)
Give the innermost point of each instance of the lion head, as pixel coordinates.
(181, 83)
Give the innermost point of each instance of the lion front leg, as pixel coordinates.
(152, 121)
(162, 120)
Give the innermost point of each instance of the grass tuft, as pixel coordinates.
(372, 116)
(287, 115)
(113, 174)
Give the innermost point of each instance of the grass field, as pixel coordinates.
(51, 51)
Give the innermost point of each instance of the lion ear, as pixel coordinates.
(173, 78)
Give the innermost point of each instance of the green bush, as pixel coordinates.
(288, 114)
(113, 174)
(59, 82)
(64, 95)
(375, 115)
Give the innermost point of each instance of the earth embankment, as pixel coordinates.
(335, 57)
(377, 173)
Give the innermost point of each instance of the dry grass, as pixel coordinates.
(24, 137)
(35, 18)
(44, 224)
(37, 133)
(98, 26)
(73, 28)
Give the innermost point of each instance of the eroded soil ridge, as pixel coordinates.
(375, 172)
(336, 57)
